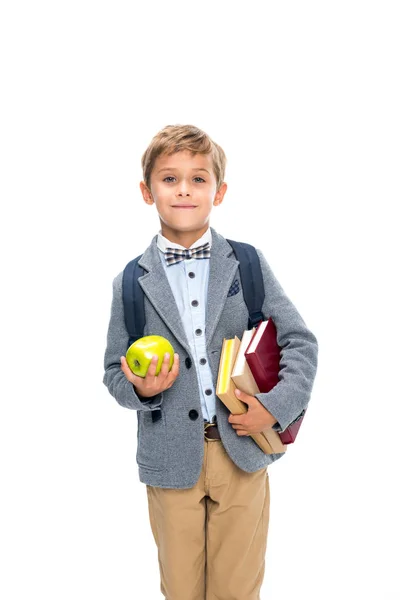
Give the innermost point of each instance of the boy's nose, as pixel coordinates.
(183, 188)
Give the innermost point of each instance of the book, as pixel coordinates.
(289, 435)
(241, 372)
(263, 358)
(225, 390)
(244, 380)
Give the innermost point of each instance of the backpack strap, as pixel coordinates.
(252, 280)
(133, 299)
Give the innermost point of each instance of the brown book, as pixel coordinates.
(226, 388)
(244, 380)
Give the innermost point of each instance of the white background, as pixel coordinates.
(304, 99)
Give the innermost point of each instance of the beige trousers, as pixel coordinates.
(212, 538)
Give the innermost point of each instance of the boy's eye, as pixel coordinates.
(171, 177)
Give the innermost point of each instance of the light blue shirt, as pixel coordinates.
(190, 293)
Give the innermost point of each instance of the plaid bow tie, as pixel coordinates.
(175, 255)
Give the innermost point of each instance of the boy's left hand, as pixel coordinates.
(255, 420)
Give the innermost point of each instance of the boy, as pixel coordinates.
(206, 479)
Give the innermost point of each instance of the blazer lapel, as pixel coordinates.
(223, 266)
(156, 286)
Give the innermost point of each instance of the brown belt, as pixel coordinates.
(211, 431)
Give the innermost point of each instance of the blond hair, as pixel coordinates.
(176, 138)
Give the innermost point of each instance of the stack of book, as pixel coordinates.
(252, 366)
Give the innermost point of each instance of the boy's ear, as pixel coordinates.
(219, 196)
(147, 197)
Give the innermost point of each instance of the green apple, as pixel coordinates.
(139, 354)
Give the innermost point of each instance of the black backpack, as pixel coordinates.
(250, 276)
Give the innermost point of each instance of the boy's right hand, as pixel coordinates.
(153, 384)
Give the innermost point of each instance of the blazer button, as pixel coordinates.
(193, 414)
(188, 362)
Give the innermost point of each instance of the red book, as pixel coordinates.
(263, 357)
(289, 435)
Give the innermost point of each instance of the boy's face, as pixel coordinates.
(184, 189)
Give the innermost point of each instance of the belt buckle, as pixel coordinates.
(206, 426)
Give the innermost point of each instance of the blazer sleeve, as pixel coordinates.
(117, 342)
(299, 353)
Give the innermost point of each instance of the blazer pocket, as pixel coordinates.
(151, 441)
(235, 297)
(234, 289)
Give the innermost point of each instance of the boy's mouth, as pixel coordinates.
(183, 206)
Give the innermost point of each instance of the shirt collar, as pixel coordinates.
(163, 242)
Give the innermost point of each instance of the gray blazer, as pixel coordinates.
(170, 450)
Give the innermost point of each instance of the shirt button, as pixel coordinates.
(191, 274)
(198, 332)
(195, 303)
(208, 392)
(203, 361)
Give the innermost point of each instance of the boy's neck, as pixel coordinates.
(183, 238)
